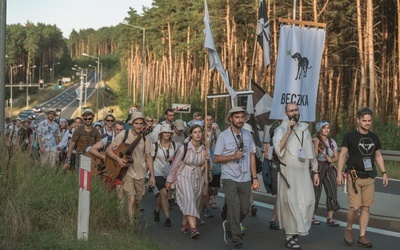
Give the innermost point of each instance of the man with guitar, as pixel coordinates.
(127, 152)
(98, 155)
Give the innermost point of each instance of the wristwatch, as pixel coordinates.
(256, 178)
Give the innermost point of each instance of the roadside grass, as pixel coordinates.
(39, 210)
(392, 168)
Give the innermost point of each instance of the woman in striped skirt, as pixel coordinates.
(326, 152)
(189, 173)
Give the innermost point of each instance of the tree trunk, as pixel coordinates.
(363, 76)
(371, 58)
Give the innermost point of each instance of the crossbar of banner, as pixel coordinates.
(247, 92)
(302, 23)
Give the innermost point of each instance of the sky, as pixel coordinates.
(72, 14)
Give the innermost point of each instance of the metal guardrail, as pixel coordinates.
(391, 155)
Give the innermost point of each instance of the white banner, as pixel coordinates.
(297, 71)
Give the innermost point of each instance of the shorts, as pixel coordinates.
(160, 182)
(365, 195)
(134, 187)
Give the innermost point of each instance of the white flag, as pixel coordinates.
(297, 70)
(213, 57)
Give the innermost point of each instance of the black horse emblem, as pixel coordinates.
(302, 65)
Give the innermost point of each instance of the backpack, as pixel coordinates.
(271, 141)
(156, 148)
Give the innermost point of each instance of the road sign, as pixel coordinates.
(181, 108)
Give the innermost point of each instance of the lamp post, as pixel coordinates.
(52, 72)
(81, 85)
(40, 67)
(11, 88)
(30, 82)
(143, 59)
(97, 83)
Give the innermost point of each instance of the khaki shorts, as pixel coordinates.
(134, 187)
(365, 195)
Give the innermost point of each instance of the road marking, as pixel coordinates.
(341, 223)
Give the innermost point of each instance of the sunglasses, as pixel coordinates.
(149, 120)
(109, 120)
(87, 119)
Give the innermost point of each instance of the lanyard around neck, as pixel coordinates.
(302, 137)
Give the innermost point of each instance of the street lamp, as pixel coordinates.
(11, 87)
(40, 67)
(80, 92)
(97, 83)
(52, 72)
(30, 82)
(143, 59)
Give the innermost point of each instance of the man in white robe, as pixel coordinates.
(295, 201)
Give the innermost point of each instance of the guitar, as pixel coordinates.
(98, 166)
(112, 167)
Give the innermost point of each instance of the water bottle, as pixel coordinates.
(345, 183)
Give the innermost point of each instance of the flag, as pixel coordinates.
(263, 34)
(298, 67)
(213, 57)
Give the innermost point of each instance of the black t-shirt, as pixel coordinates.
(361, 146)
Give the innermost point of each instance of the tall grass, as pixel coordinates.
(39, 210)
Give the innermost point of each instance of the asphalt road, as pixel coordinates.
(257, 234)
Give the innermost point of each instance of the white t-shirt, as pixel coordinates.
(162, 157)
(227, 144)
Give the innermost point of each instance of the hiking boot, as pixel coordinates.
(348, 236)
(253, 210)
(331, 222)
(227, 233)
(239, 246)
(156, 216)
(363, 241)
(194, 233)
(167, 222)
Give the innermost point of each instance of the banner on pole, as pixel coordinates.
(297, 71)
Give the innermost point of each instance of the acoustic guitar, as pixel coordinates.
(123, 151)
(98, 167)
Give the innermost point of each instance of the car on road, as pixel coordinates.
(23, 117)
(37, 109)
(29, 113)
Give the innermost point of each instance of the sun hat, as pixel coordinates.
(50, 110)
(321, 124)
(136, 115)
(179, 124)
(88, 112)
(165, 128)
(236, 110)
(63, 120)
(96, 124)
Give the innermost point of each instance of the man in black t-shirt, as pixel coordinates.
(363, 147)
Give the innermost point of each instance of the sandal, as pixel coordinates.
(292, 244)
(274, 225)
(315, 221)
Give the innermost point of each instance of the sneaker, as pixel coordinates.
(331, 222)
(227, 233)
(239, 246)
(253, 210)
(156, 216)
(274, 225)
(363, 241)
(167, 222)
(315, 221)
(224, 212)
(348, 236)
(208, 213)
(242, 228)
(185, 229)
(194, 233)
